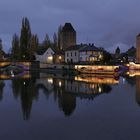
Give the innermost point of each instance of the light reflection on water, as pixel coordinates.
(69, 107)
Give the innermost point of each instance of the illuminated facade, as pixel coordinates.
(83, 53)
(138, 49)
(46, 57)
(72, 54)
(90, 53)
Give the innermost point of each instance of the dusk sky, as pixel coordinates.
(107, 23)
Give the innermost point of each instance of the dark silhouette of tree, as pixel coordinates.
(59, 36)
(47, 41)
(2, 53)
(2, 84)
(15, 51)
(67, 103)
(34, 43)
(25, 38)
(106, 57)
(131, 51)
(27, 91)
(1, 46)
(55, 40)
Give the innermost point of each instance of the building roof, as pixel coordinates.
(42, 50)
(68, 28)
(90, 48)
(83, 47)
(138, 35)
(60, 52)
(2, 52)
(74, 47)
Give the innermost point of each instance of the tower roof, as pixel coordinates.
(68, 28)
(138, 35)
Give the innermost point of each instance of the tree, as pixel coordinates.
(59, 36)
(34, 43)
(1, 47)
(15, 52)
(106, 57)
(55, 40)
(47, 41)
(25, 38)
(2, 53)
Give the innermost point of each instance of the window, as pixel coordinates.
(67, 54)
(75, 53)
(71, 53)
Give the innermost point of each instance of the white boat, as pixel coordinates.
(97, 69)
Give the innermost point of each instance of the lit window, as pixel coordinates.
(60, 58)
(50, 58)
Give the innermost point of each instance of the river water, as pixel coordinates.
(62, 107)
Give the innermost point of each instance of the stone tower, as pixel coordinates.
(68, 36)
(138, 49)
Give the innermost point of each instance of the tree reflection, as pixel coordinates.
(64, 91)
(27, 91)
(67, 90)
(67, 103)
(2, 85)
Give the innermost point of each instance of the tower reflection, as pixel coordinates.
(2, 85)
(138, 89)
(65, 91)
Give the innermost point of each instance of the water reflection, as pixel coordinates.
(64, 89)
(138, 89)
(133, 78)
(2, 84)
(27, 91)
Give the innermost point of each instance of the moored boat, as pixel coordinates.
(97, 69)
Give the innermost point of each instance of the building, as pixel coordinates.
(59, 57)
(83, 54)
(67, 36)
(90, 53)
(45, 55)
(72, 54)
(2, 55)
(138, 49)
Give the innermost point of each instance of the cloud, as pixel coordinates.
(105, 23)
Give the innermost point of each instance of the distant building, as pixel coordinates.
(67, 36)
(59, 57)
(45, 56)
(138, 49)
(90, 53)
(131, 54)
(72, 54)
(83, 53)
